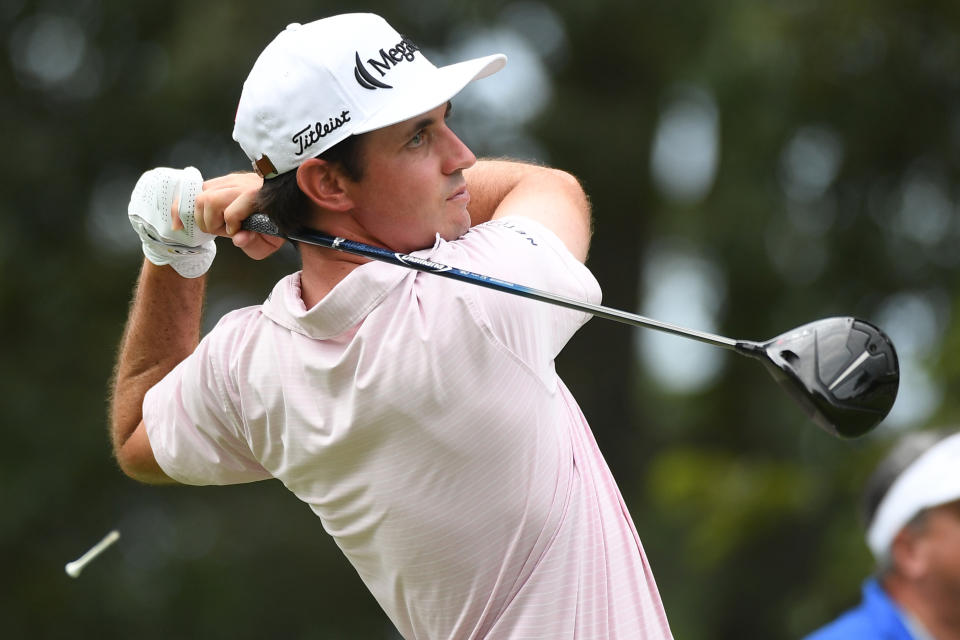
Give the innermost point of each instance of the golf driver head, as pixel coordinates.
(843, 372)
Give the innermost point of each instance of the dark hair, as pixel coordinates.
(283, 201)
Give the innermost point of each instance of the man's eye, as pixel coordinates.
(417, 139)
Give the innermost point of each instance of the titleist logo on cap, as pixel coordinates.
(405, 50)
(311, 133)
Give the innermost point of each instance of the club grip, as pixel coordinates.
(260, 223)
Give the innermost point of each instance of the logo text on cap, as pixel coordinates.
(311, 133)
(405, 50)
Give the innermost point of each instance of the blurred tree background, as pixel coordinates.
(753, 166)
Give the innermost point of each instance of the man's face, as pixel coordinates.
(413, 186)
(941, 540)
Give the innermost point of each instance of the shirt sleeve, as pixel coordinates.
(191, 419)
(522, 251)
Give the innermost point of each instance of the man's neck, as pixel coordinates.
(322, 269)
(940, 620)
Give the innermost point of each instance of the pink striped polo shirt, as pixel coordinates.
(423, 421)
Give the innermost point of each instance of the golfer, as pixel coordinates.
(912, 507)
(422, 420)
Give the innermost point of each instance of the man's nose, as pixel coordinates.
(458, 156)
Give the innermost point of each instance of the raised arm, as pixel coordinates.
(554, 198)
(162, 329)
(163, 326)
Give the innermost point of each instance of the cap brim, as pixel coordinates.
(433, 91)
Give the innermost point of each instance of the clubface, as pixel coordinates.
(843, 372)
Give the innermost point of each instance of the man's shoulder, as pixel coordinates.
(512, 238)
(518, 226)
(875, 618)
(235, 324)
(855, 624)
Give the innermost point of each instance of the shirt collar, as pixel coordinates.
(349, 302)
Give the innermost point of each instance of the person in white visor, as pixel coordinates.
(421, 419)
(912, 510)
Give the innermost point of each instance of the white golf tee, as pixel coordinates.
(74, 568)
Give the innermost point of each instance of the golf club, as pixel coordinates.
(842, 371)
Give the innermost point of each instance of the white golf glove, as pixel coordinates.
(189, 251)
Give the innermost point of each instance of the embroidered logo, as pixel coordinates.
(310, 134)
(405, 50)
(515, 228)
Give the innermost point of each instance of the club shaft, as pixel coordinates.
(260, 223)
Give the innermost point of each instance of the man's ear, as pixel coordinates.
(323, 183)
(909, 551)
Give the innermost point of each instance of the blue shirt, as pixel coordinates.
(877, 618)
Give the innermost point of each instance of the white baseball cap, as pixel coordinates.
(318, 83)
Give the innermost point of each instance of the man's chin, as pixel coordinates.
(455, 233)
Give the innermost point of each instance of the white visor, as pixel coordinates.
(931, 480)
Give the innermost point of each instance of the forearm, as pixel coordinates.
(489, 182)
(554, 198)
(163, 328)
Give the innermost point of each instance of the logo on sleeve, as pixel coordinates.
(506, 224)
(403, 51)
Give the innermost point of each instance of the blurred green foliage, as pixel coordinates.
(746, 511)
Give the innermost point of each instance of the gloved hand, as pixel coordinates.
(188, 250)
